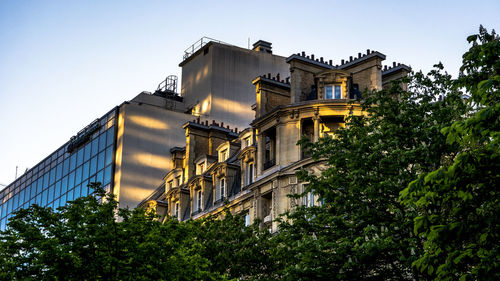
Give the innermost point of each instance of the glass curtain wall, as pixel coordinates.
(64, 175)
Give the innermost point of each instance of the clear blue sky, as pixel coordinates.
(65, 63)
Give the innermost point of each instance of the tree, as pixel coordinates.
(84, 240)
(366, 233)
(458, 204)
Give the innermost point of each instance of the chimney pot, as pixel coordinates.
(228, 127)
(235, 129)
(269, 75)
(278, 77)
(359, 55)
(342, 62)
(330, 62)
(350, 58)
(222, 124)
(321, 59)
(393, 64)
(312, 56)
(367, 51)
(303, 53)
(213, 122)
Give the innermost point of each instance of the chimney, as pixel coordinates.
(263, 46)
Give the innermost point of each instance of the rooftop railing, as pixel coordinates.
(198, 45)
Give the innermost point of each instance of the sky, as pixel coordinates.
(65, 63)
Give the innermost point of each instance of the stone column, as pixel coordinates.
(316, 128)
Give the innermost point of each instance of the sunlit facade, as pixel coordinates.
(253, 172)
(128, 149)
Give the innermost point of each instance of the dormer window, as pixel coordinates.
(200, 168)
(177, 210)
(178, 181)
(221, 189)
(247, 142)
(223, 155)
(198, 200)
(170, 185)
(333, 92)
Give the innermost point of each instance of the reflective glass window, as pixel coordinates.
(39, 199)
(99, 177)
(102, 142)
(44, 197)
(57, 189)
(84, 190)
(64, 185)
(100, 161)
(56, 203)
(45, 180)
(76, 193)
(79, 157)
(110, 133)
(15, 202)
(69, 196)
(51, 194)
(62, 200)
(109, 156)
(107, 175)
(21, 195)
(95, 147)
(71, 180)
(66, 167)
(59, 171)
(52, 177)
(72, 162)
(39, 185)
(85, 170)
(93, 165)
(86, 154)
(78, 175)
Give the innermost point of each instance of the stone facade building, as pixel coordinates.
(253, 171)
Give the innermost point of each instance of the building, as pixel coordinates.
(128, 148)
(253, 171)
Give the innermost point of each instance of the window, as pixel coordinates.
(176, 213)
(201, 168)
(170, 184)
(250, 173)
(178, 181)
(333, 92)
(247, 219)
(221, 192)
(308, 199)
(223, 155)
(247, 142)
(198, 200)
(223, 188)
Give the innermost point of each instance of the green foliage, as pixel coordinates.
(84, 240)
(458, 204)
(369, 234)
(425, 148)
